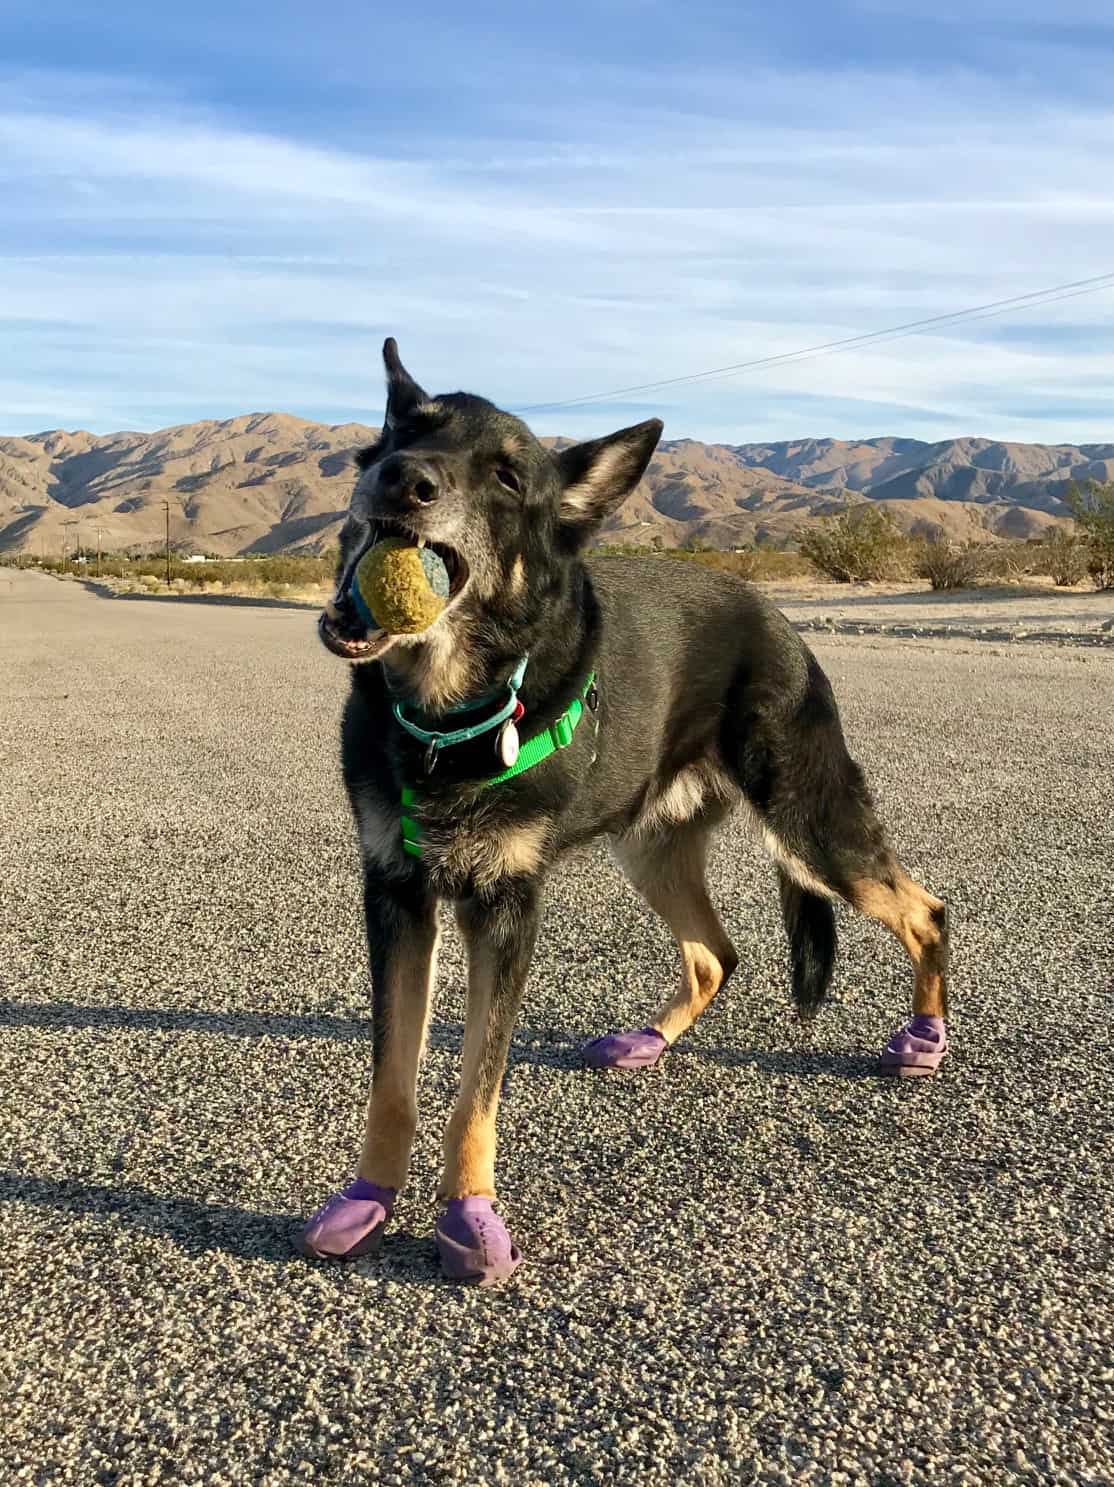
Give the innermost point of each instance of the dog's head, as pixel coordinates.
(508, 517)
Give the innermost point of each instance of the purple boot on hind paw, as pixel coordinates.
(349, 1225)
(474, 1245)
(625, 1050)
(917, 1049)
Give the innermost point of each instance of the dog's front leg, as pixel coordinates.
(499, 931)
(401, 919)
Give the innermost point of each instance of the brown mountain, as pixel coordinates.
(270, 482)
(1013, 490)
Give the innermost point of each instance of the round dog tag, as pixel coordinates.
(507, 747)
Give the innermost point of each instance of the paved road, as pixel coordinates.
(757, 1263)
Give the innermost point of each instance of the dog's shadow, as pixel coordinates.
(197, 1228)
(545, 1047)
(200, 1228)
(801, 1063)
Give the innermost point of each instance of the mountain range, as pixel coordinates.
(271, 482)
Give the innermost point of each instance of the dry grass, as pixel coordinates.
(846, 549)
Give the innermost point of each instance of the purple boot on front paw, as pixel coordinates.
(625, 1050)
(916, 1049)
(349, 1225)
(473, 1243)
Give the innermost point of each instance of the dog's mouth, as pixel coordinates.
(342, 628)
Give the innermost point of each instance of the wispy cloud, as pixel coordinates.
(167, 259)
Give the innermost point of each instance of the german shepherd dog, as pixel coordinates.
(657, 696)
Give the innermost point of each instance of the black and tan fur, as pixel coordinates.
(708, 702)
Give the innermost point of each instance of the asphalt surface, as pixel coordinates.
(756, 1263)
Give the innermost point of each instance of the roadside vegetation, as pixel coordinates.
(755, 564)
(861, 545)
(287, 576)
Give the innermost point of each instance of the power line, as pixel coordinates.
(1037, 297)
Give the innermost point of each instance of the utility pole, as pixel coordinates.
(166, 505)
(99, 529)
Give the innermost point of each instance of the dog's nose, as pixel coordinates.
(409, 481)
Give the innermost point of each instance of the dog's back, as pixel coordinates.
(685, 652)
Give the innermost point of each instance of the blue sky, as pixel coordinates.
(218, 209)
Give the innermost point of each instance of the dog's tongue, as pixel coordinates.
(380, 641)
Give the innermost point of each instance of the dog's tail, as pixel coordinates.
(810, 925)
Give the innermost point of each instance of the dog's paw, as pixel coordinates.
(349, 1225)
(473, 1243)
(625, 1050)
(917, 1048)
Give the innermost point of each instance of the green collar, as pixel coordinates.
(558, 735)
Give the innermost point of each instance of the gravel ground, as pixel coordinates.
(1030, 612)
(757, 1263)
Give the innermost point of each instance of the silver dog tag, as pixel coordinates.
(507, 746)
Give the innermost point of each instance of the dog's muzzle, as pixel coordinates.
(343, 632)
(341, 627)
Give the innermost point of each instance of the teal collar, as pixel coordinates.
(436, 740)
(558, 735)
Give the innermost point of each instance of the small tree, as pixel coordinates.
(1064, 558)
(861, 544)
(1092, 506)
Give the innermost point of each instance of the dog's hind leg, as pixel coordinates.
(872, 881)
(668, 870)
(920, 922)
(814, 810)
(402, 938)
(500, 931)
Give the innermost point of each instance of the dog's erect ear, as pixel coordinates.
(599, 475)
(403, 393)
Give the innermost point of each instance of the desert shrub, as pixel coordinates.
(1009, 561)
(861, 544)
(755, 564)
(758, 564)
(1063, 557)
(1092, 506)
(951, 565)
(745, 563)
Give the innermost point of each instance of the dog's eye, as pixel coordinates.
(506, 476)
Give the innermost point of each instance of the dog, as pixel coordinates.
(560, 697)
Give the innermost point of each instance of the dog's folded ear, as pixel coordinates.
(403, 393)
(599, 475)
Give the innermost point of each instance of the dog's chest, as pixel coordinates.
(463, 849)
(473, 850)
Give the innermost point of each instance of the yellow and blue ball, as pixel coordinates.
(400, 588)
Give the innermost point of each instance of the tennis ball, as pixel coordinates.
(400, 588)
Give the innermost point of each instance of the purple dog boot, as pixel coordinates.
(917, 1048)
(625, 1050)
(473, 1243)
(349, 1225)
